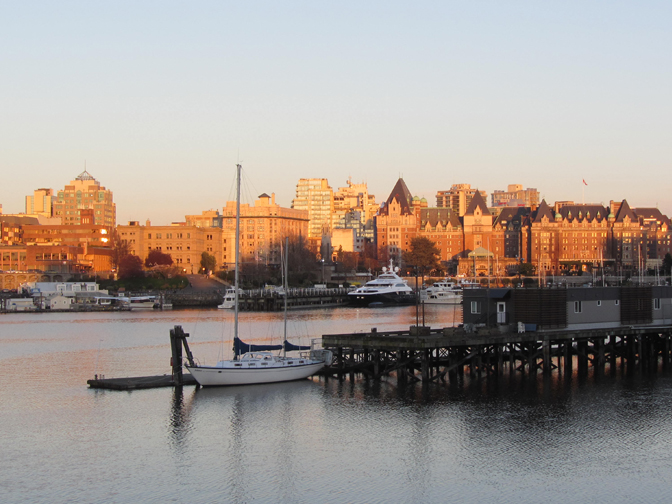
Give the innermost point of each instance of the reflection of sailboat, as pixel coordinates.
(255, 363)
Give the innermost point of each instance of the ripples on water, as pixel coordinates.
(511, 440)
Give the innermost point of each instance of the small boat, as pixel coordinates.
(388, 289)
(442, 297)
(141, 302)
(229, 300)
(253, 364)
(443, 292)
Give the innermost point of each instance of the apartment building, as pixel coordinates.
(85, 193)
(458, 198)
(315, 197)
(263, 227)
(515, 195)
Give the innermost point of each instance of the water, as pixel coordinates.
(310, 441)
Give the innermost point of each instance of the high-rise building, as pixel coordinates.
(515, 195)
(317, 198)
(354, 208)
(40, 203)
(458, 198)
(85, 193)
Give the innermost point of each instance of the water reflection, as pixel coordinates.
(501, 438)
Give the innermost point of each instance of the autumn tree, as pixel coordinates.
(120, 249)
(208, 261)
(158, 258)
(423, 255)
(130, 267)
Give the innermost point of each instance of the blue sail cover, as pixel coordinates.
(239, 347)
(289, 347)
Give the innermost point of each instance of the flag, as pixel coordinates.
(584, 182)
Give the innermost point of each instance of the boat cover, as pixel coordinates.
(290, 347)
(239, 347)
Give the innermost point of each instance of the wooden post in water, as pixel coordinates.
(546, 351)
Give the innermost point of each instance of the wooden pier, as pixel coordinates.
(442, 355)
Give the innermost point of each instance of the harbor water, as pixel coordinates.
(510, 439)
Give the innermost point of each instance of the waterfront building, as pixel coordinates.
(458, 198)
(315, 197)
(85, 193)
(184, 244)
(397, 222)
(657, 235)
(515, 195)
(263, 228)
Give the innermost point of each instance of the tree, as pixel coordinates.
(302, 265)
(120, 249)
(423, 255)
(526, 269)
(130, 267)
(208, 262)
(158, 258)
(667, 264)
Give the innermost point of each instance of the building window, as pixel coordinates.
(475, 307)
(577, 307)
(656, 303)
(599, 302)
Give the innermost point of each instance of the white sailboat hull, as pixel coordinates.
(219, 376)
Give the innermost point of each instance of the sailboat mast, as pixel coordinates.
(237, 260)
(284, 286)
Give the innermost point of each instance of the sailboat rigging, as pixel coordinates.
(253, 364)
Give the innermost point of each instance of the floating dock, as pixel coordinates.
(178, 340)
(138, 383)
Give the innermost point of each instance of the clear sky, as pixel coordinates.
(162, 98)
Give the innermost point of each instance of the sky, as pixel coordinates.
(160, 100)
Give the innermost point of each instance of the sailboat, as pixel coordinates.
(252, 364)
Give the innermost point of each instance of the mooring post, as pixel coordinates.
(546, 351)
(176, 360)
(425, 365)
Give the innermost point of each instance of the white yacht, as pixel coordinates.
(229, 300)
(443, 292)
(388, 289)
